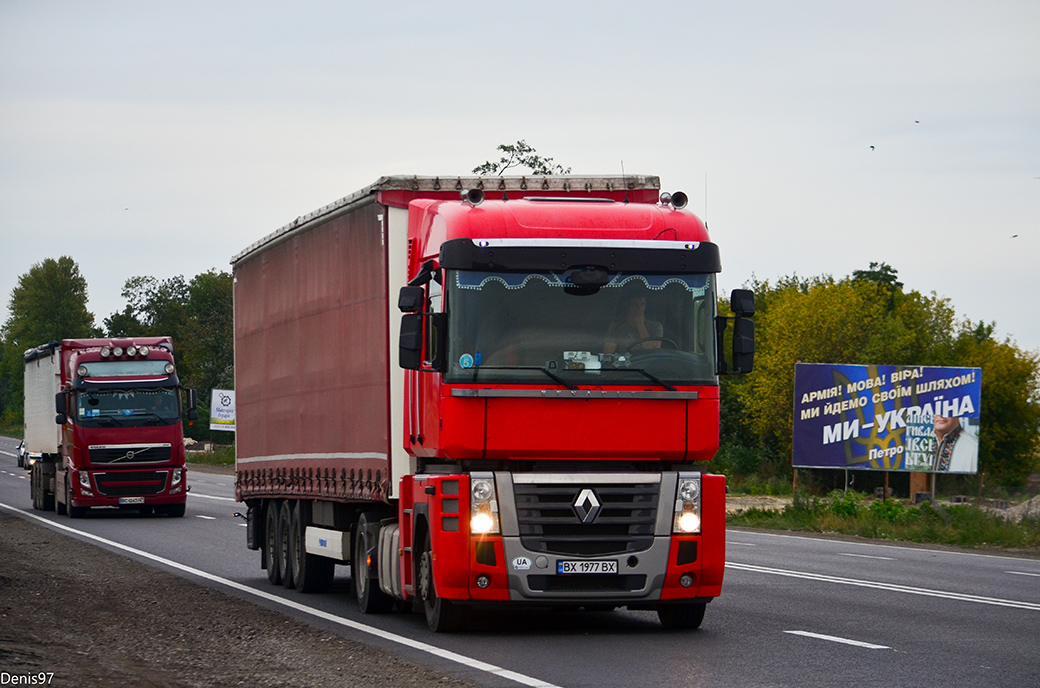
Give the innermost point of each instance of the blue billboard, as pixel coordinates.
(892, 418)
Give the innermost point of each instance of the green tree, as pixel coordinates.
(154, 308)
(520, 154)
(209, 344)
(48, 303)
(868, 319)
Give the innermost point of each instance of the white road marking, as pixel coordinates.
(223, 499)
(743, 544)
(208, 518)
(835, 639)
(1032, 606)
(297, 606)
(1022, 573)
(874, 545)
(865, 556)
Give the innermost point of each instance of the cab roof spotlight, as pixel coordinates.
(143, 350)
(117, 352)
(131, 350)
(473, 196)
(677, 200)
(106, 352)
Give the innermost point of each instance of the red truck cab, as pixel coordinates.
(122, 444)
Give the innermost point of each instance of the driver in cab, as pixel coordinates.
(632, 329)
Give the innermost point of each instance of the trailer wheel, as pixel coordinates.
(442, 616)
(687, 615)
(285, 564)
(371, 598)
(313, 573)
(42, 499)
(271, 555)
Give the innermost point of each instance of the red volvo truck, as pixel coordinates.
(103, 420)
(527, 432)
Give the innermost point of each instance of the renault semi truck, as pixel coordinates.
(488, 392)
(103, 424)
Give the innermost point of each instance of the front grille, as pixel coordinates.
(130, 483)
(550, 524)
(579, 583)
(131, 454)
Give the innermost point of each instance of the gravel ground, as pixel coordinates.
(95, 618)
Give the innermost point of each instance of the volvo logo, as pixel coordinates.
(586, 506)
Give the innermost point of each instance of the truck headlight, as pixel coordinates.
(84, 480)
(178, 473)
(688, 504)
(483, 515)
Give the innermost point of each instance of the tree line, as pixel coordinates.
(49, 303)
(864, 318)
(869, 318)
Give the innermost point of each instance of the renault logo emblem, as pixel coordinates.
(586, 506)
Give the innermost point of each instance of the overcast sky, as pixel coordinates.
(162, 138)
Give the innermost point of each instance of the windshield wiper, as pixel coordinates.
(555, 378)
(649, 376)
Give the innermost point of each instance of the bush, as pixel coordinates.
(848, 503)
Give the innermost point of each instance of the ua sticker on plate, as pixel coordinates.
(521, 563)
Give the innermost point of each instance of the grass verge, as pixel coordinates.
(850, 514)
(218, 456)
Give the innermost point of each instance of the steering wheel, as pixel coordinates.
(663, 340)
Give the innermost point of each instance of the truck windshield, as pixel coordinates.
(541, 328)
(127, 407)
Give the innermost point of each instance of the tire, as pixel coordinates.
(371, 598)
(272, 558)
(442, 616)
(687, 615)
(42, 499)
(284, 560)
(313, 573)
(74, 511)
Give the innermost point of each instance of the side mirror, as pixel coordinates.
(411, 343)
(60, 407)
(742, 302)
(193, 406)
(743, 345)
(411, 299)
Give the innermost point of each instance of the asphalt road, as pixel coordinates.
(795, 611)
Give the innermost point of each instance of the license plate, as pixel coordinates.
(569, 566)
(131, 500)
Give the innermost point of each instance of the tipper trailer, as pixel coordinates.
(529, 431)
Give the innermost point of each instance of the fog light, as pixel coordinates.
(483, 580)
(686, 580)
(689, 522)
(481, 523)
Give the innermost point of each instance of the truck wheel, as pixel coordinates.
(271, 555)
(442, 616)
(74, 511)
(313, 573)
(34, 488)
(371, 598)
(687, 615)
(284, 560)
